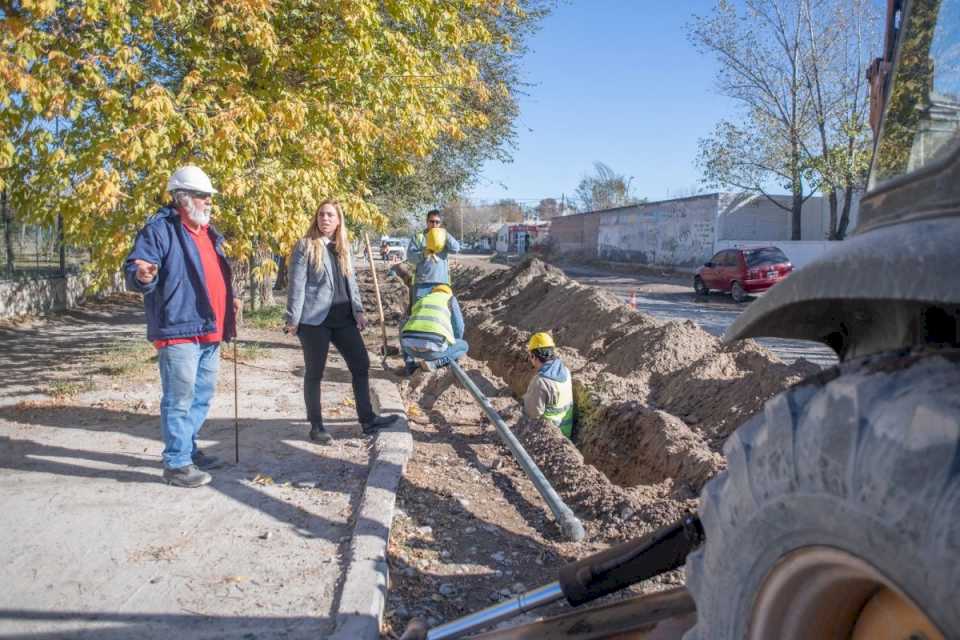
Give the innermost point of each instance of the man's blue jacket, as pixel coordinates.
(176, 300)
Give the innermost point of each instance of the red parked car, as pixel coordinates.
(742, 271)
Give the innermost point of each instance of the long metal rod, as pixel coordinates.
(376, 288)
(503, 611)
(571, 527)
(236, 407)
(666, 614)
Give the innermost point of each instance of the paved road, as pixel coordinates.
(671, 298)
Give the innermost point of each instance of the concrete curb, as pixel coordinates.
(365, 585)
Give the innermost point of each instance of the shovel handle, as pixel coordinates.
(376, 289)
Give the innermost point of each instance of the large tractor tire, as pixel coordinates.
(839, 512)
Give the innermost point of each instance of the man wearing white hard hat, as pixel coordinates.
(178, 264)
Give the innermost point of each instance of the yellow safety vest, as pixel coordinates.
(431, 314)
(561, 413)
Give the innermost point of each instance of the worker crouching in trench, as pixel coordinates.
(433, 335)
(549, 395)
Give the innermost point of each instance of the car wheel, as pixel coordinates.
(700, 287)
(737, 292)
(837, 514)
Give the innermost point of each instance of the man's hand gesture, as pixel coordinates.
(146, 271)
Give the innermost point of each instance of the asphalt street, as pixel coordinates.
(670, 298)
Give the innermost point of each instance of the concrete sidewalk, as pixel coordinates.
(93, 544)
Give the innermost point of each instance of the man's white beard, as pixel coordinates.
(197, 215)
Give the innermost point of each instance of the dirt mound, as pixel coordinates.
(609, 511)
(633, 444)
(618, 355)
(537, 297)
(659, 349)
(718, 392)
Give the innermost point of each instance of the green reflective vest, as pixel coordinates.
(561, 413)
(431, 314)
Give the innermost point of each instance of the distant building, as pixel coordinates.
(685, 232)
(520, 237)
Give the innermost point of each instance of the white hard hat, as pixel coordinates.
(190, 178)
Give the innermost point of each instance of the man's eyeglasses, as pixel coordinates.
(200, 195)
(434, 222)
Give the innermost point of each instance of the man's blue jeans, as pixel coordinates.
(439, 358)
(188, 375)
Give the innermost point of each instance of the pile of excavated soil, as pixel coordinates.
(721, 390)
(640, 382)
(642, 446)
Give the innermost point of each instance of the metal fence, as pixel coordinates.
(32, 251)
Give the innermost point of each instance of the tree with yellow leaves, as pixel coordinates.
(282, 102)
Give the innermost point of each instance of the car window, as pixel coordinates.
(717, 259)
(767, 255)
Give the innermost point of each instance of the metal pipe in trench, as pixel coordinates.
(505, 610)
(570, 525)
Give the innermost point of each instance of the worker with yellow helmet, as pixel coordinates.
(428, 251)
(433, 334)
(549, 395)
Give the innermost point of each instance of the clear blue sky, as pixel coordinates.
(615, 81)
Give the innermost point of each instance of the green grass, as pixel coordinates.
(125, 358)
(265, 318)
(62, 389)
(247, 351)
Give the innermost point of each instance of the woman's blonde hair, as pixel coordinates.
(313, 241)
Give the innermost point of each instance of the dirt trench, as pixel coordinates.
(655, 399)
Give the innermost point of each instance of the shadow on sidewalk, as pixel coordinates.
(121, 626)
(276, 458)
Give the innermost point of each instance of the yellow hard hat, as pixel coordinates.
(540, 340)
(442, 288)
(436, 240)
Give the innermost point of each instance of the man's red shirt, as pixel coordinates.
(216, 288)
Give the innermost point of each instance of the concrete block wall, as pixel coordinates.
(35, 296)
(675, 233)
(575, 234)
(751, 217)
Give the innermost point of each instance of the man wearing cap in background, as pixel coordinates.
(434, 331)
(429, 250)
(549, 395)
(178, 264)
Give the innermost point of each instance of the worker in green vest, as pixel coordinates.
(434, 332)
(550, 393)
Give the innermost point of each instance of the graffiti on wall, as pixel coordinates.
(673, 234)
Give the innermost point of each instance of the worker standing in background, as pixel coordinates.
(550, 393)
(428, 251)
(434, 331)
